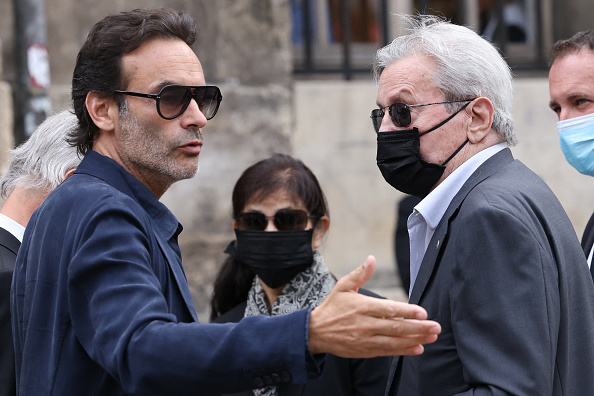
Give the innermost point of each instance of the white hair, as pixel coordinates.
(41, 162)
(468, 66)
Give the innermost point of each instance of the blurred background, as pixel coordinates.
(295, 77)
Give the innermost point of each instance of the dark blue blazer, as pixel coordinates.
(506, 278)
(9, 247)
(101, 305)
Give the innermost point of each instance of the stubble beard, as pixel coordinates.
(144, 147)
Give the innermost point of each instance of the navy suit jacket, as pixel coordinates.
(9, 247)
(506, 278)
(101, 305)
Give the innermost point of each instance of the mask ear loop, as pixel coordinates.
(443, 122)
(446, 120)
(455, 152)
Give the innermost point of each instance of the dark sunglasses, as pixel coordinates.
(173, 100)
(284, 220)
(400, 113)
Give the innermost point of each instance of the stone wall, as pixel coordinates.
(6, 120)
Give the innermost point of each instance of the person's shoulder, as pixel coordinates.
(88, 191)
(502, 180)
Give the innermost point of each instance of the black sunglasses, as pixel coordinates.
(284, 220)
(400, 113)
(173, 100)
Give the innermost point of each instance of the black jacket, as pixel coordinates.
(9, 246)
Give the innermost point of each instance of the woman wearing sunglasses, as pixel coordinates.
(280, 219)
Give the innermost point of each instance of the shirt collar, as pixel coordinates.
(108, 170)
(12, 226)
(434, 205)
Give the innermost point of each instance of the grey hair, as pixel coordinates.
(468, 66)
(41, 162)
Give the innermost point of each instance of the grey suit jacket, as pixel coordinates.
(588, 240)
(9, 246)
(505, 276)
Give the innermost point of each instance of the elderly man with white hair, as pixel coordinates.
(494, 258)
(36, 167)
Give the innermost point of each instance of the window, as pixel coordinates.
(342, 36)
(521, 29)
(337, 36)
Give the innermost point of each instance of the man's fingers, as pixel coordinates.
(394, 337)
(354, 280)
(384, 308)
(389, 338)
(395, 309)
(408, 327)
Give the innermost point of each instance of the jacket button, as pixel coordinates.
(276, 378)
(285, 376)
(258, 382)
(267, 380)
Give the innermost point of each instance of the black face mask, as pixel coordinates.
(400, 162)
(276, 256)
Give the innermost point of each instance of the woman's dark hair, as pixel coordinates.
(279, 172)
(98, 64)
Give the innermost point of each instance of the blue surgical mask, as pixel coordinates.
(576, 137)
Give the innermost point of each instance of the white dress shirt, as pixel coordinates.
(12, 226)
(427, 214)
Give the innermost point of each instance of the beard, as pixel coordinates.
(145, 148)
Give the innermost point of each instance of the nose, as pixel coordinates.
(387, 124)
(193, 117)
(270, 226)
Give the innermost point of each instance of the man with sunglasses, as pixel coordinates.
(494, 258)
(99, 298)
(571, 88)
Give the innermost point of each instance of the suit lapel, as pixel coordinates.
(588, 241)
(9, 241)
(430, 258)
(178, 274)
(588, 237)
(436, 245)
(390, 388)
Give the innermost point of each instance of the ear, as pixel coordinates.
(103, 111)
(320, 232)
(481, 118)
(68, 173)
(234, 224)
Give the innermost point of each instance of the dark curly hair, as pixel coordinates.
(98, 64)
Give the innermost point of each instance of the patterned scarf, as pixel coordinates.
(308, 289)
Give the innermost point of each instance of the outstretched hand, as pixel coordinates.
(352, 325)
